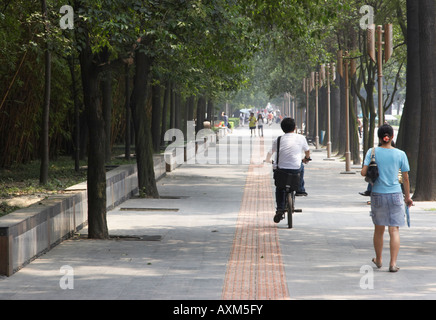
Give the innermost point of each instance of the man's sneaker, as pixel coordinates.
(278, 216)
(301, 194)
(366, 193)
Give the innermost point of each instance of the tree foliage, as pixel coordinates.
(173, 61)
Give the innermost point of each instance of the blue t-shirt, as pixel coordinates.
(389, 162)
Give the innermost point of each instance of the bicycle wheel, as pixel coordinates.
(290, 208)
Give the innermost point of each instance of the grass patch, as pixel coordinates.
(23, 179)
(6, 209)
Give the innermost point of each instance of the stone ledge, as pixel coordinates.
(28, 233)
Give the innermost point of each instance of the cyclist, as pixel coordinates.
(291, 147)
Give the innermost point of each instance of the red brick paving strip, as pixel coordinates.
(255, 270)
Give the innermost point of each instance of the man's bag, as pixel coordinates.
(283, 179)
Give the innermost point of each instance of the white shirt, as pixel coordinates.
(291, 147)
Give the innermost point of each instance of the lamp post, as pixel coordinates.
(327, 76)
(316, 110)
(307, 89)
(347, 118)
(346, 72)
(289, 109)
(388, 53)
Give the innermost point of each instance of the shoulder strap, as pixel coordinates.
(373, 153)
(278, 149)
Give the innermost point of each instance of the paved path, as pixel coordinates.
(255, 268)
(211, 237)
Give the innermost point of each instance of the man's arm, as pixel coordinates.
(307, 156)
(269, 154)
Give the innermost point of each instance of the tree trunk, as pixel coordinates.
(210, 111)
(43, 176)
(165, 107)
(322, 114)
(97, 224)
(408, 135)
(201, 108)
(426, 173)
(141, 99)
(354, 133)
(178, 111)
(342, 131)
(172, 108)
(76, 133)
(190, 108)
(106, 89)
(335, 117)
(128, 115)
(156, 116)
(84, 133)
(369, 112)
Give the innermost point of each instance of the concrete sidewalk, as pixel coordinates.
(178, 247)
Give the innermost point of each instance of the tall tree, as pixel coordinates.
(426, 173)
(107, 104)
(100, 33)
(156, 115)
(43, 176)
(408, 135)
(141, 113)
(127, 133)
(96, 180)
(75, 97)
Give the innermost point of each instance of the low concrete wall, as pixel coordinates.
(28, 233)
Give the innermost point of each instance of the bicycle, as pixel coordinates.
(291, 183)
(290, 186)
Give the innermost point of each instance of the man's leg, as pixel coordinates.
(302, 191)
(280, 198)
